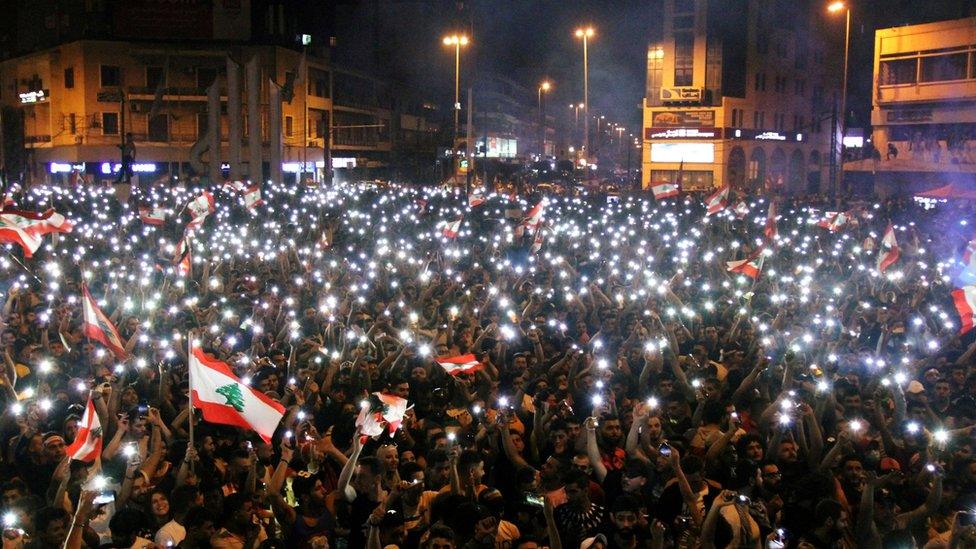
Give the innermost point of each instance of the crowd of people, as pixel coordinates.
(626, 388)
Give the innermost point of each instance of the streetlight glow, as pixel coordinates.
(587, 32)
(546, 85)
(835, 7)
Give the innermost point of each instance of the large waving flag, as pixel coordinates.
(224, 399)
(664, 189)
(741, 209)
(889, 252)
(252, 197)
(456, 365)
(476, 198)
(27, 228)
(381, 410)
(750, 266)
(534, 217)
(965, 301)
(88, 442)
(99, 327)
(717, 201)
(199, 208)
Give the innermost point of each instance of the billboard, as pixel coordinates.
(694, 153)
(500, 147)
(183, 19)
(685, 119)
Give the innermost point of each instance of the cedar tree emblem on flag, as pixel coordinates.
(232, 392)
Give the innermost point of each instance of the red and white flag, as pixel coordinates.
(889, 251)
(183, 257)
(97, 326)
(382, 412)
(28, 228)
(476, 198)
(236, 186)
(537, 242)
(717, 201)
(452, 229)
(750, 266)
(199, 208)
(835, 221)
(741, 209)
(965, 300)
(664, 189)
(969, 255)
(456, 365)
(534, 217)
(87, 445)
(152, 215)
(224, 398)
(769, 230)
(252, 197)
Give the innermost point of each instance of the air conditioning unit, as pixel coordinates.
(682, 94)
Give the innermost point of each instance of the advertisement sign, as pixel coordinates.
(682, 133)
(500, 147)
(687, 119)
(693, 153)
(762, 135)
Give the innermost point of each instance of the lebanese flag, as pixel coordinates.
(834, 222)
(199, 208)
(236, 186)
(770, 228)
(183, 257)
(537, 242)
(87, 445)
(30, 241)
(476, 199)
(534, 217)
(889, 252)
(969, 255)
(224, 399)
(8, 199)
(456, 365)
(382, 412)
(741, 209)
(252, 197)
(665, 189)
(452, 229)
(27, 228)
(717, 201)
(98, 327)
(749, 266)
(965, 300)
(152, 216)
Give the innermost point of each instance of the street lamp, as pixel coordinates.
(545, 86)
(586, 34)
(456, 40)
(837, 7)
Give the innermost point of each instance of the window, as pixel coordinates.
(155, 77)
(69, 77)
(760, 81)
(289, 126)
(72, 124)
(110, 123)
(684, 58)
(205, 76)
(159, 128)
(942, 68)
(111, 76)
(655, 74)
(799, 86)
(898, 71)
(755, 120)
(683, 22)
(318, 83)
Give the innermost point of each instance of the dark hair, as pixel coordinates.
(370, 462)
(625, 503)
(468, 460)
(46, 515)
(408, 469)
(126, 522)
(439, 531)
(577, 477)
(196, 516)
(827, 509)
(712, 411)
(15, 484)
(438, 455)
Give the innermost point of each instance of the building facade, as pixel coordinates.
(924, 107)
(741, 92)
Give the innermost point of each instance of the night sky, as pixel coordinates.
(528, 40)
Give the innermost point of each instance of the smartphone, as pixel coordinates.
(104, 498)
(535, 500)
(966, 518)
(664, 450)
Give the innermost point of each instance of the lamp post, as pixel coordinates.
(837, 7)
(457, 41)
(586, 34)
(545, 86)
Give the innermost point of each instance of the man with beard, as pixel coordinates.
(829, 524)
(578, 518)
(610, 442)
(623, 530)
(313, 520)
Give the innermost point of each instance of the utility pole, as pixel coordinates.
(469, 134)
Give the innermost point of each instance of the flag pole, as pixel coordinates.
(189, 402)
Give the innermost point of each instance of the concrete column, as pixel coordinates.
(274, 130)
(234, 118)
(253, 70)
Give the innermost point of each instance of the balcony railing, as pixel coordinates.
(35, 139)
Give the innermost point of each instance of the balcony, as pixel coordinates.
(36, 139)
(170, 93)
